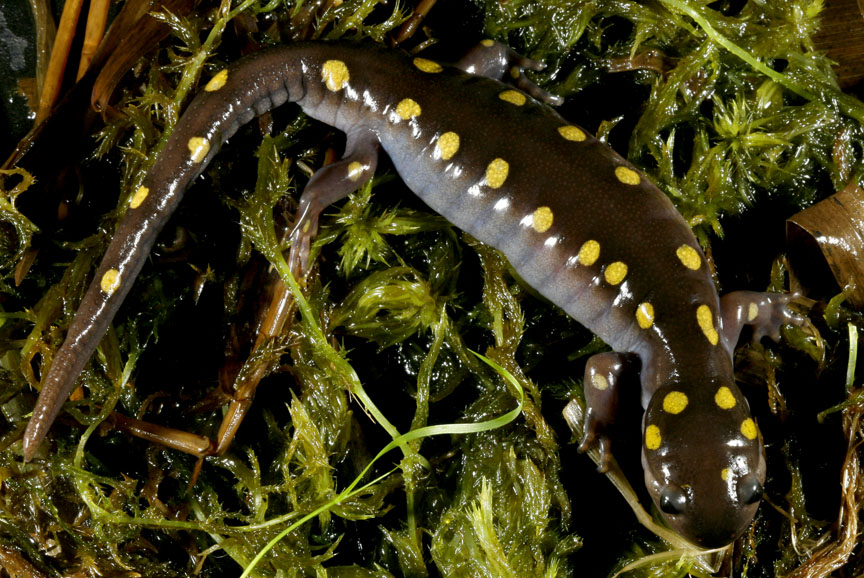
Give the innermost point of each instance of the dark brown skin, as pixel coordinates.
(576, 220)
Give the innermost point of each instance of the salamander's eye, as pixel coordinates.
(749, 490)
(672, 500)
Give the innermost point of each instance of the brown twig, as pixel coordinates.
(59, 57)
(97, 17)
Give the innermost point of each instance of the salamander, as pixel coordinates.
(578, 222)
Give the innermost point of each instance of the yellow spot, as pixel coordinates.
(407, 109)
(615, 272)
(571, 132)
(689, 257)
(496, 173)
(199, 147)
(652, 437)
(627, 176)
(724, 398)
(110, 281)
(748, 429)
(447, 145)
(752, 312)
(139, 197)
(218, 81)
(600, 382)
(675, 402)
(706, 322)
(724, 474)
(335, 75)
(355, 170)
(645, 315)
(513, 97)
(515, 72)
(589, 253)
(427, 65)
(488, 43)
(541, 220)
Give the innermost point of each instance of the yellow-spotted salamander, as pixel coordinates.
(578, 223)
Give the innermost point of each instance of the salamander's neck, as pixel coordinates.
(694, 363)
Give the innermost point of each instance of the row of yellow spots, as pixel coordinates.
(676, 402)
(198, 147)
(691, 259)
(335, 75)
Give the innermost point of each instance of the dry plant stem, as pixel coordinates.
(186, 442)
(96, 20)
(836, 554)
(59, 57)
(46, 30)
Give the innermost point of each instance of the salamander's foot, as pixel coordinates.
(766, 313)
(595, 439)
(604, 374)
(499, 61)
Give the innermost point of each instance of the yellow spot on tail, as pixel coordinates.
(675, 402)
(571, 132)
(447, 145)
(542, 218)
(615, 272)
(488, 42)
(645, 315)
(198, 147)
(748, 429)
(706, 322)
(627, 176)
(752, 312)
(138, 197)
(600, 382)
(427, 65)
(724, 398)
(335, 75)
(218, 81)
(496, 173)
(355, 170)
(513, 97)
(653, 439)
(110, 281)
(515, 72)
(689, 257)
(724, 474)
(408, 109)
(589, 253)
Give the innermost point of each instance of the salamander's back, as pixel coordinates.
(576, 220)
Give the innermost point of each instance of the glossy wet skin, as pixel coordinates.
(707, 491)
(576, 220)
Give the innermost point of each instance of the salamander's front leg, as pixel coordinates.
(330, 184)
(765, 312)
(604, 373)
(499, 61)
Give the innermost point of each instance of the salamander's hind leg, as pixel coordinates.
(330, 184)
(765, 312)
(495, 60)
(604, 374)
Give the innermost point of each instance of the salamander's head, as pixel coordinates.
(703, 460)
